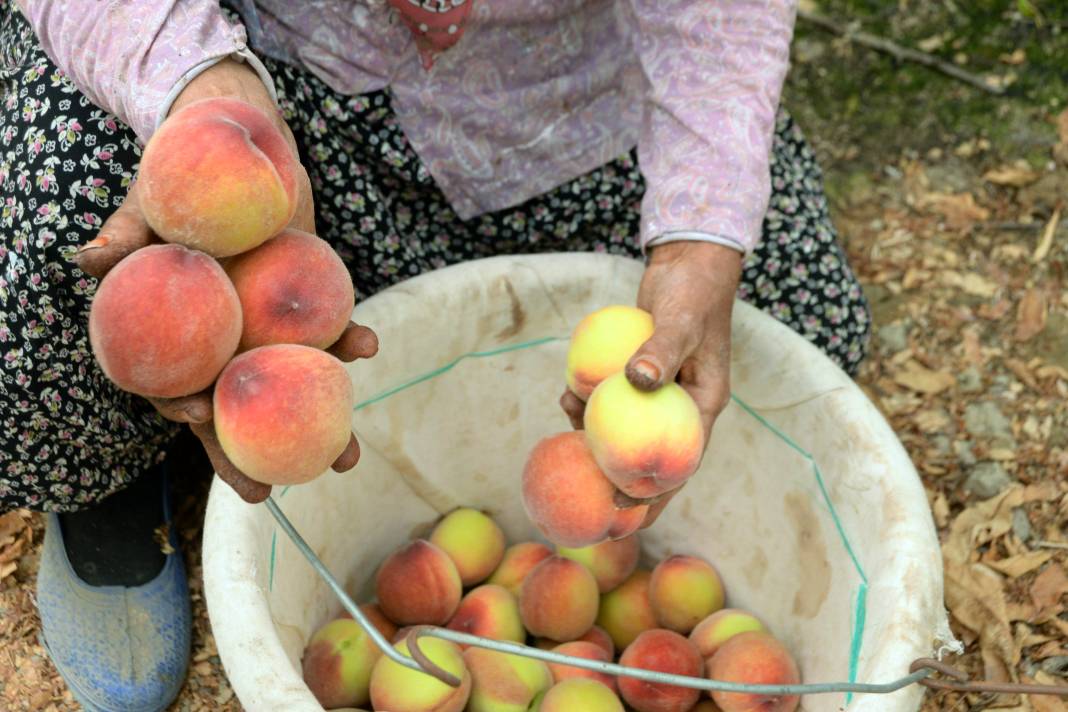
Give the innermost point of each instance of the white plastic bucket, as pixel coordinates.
(841, 560)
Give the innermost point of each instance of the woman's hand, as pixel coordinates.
(126, 231)
(689, 289)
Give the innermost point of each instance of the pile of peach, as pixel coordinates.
(588, 602)
(232, 297)
(636, 446)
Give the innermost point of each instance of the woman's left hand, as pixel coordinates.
(689, 289)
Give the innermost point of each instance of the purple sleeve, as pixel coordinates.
(713, 73)
(132, 57)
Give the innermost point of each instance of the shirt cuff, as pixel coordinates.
(694, 236)
(241, 55)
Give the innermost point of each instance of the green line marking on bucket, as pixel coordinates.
(860, 607)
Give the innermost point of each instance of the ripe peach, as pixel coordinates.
(378, 619)
(755, 658)
(219, 177)
(164, 322)
(602, 343)
(283, 413)
(504, 683)
(517, 562)
(400, 689)
(418, 584)
(558, 600)
(684, 590)
(663, 651)
(645, 443)
(626, 611)
(580, 693)
(720, 627)
(610, 562)
(587, 651)
(568, 498)
(491, 612)
(337, 664)
(294, 289)
(473, 541)
(599, 637)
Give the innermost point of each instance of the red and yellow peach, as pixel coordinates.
(602, 343)
(418, 584)
(558, 600)
(473, 541)
(684, 590)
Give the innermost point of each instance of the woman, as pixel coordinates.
(431, 134)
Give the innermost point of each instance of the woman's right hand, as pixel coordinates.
(127, 231)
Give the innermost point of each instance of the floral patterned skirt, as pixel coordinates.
(68, 437)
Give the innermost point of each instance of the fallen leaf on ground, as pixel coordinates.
(1045, 242)
(1049, 586)
(923, 380)
(1016, 175)
(960, 210)
(970, 282)
(1031, 315)
(1020, 564)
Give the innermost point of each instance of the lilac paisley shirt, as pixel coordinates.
(536, 92)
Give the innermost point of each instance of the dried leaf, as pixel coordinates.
(1060, 150)
(1020, 564)
(1045, 243)
(7, 569)
(1031, 315)
(1019, 368)
(970, 282)
(932, 421)
(975, 596)
(994, 311)
(923, 380)
(960, 210)
(1049, 649)
(1049, 586)
(11, 523)
(1016, 175)
(1045, 703)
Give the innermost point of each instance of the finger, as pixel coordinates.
(196, 408)
(659, 359)
(574, 408)
(656, 509)
(247, 489)
(706, 377)
(348, 459)
(121, 234)
(355, 342)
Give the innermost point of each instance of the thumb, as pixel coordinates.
(121, 234)
(659, 359)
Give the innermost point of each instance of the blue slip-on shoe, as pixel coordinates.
(118, 648)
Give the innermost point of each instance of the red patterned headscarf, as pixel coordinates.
(435, 24)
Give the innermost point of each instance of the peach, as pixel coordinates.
(337, 664)
(504, 683)
(625, 611)
(418, 584)
(568, 498)
(587, 651)
(400, 689)
(602, 343)
(645, 443)
(517, 562)
(491, 612)
(663, 651)
(378, 619)
(473, 541)
(294, 289)
(283, 413)
(164, 322)
(599, 637)
(720, 627)
(580, 693)
(684, 590)
(610, 562)
(218, 176)
(754, 658)
(558, 599)
(535, 704)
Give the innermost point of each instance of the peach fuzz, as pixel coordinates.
(684, 590)
(283, 413)
(587, 651)
(418, 584)
(378, 619)
(580, 693)
(720, 627)
(569, 499)
(646, 443)
(337, 664)
(663, 651)
(294, 289)
(625, 611)
(517, 562)
(558, 600)
(164, 322)
(755, 658)
(473, 541)
(491, 612)
(400, 689)
(610, 562)
(602, 343)
(504, 683)
(218, 176)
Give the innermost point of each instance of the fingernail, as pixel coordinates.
(100, 241)
(647, 369)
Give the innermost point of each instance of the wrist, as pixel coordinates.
(714, 257)
(229, 78)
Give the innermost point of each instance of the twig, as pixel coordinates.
(903, 53)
